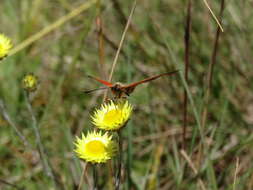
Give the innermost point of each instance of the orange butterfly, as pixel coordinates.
(120, 90)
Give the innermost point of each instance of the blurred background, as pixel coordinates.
(62, 41)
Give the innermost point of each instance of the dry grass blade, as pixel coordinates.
(236, 172)
(52, 27)
(121, 43)
(195, 171)
(215, 18)
(152, 182)
(122, 40)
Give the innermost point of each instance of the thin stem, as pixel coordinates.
(187, 56)
(236, 173)
(211, 67)
(118, 175)
(120, 12)
(129, 155)
(39, 144)
(12, 124)
(82, 177)
(95, 177)
(209, 79)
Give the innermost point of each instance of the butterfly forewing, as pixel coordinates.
(120, 90)
(148, 79)
(101, 81)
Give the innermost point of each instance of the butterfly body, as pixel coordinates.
(116, 89)
(119, 90)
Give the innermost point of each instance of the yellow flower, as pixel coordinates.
(112, 116)
(30, 82)
(5, 46)
(95, 147)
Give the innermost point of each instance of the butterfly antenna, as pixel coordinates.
(89, 76)
(89, 91)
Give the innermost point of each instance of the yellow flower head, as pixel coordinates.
(112, 116)
(30, 82)
(95, 147)
(5, 46)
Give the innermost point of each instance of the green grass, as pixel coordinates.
(59, 44)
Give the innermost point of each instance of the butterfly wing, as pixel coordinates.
(129, 88)
(108, 84)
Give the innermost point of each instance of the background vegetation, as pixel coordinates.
(217, 155)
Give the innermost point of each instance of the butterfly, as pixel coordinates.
(119, 90)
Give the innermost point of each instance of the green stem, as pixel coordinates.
(118, 175)
(41, 149)
(95, 177)
(7, 117)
